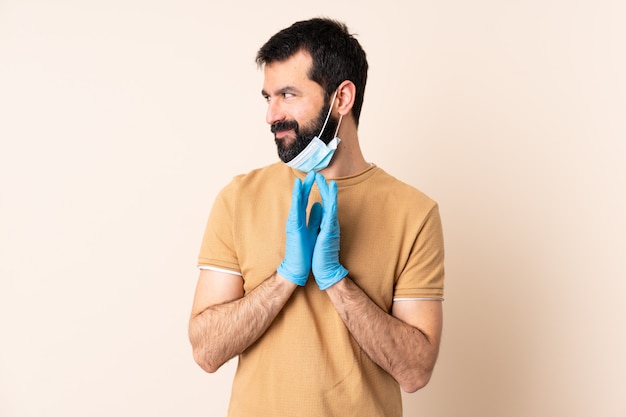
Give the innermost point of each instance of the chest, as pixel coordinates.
(375, 241)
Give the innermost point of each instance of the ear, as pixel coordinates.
(345, 97)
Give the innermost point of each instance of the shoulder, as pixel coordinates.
(390, 187)
(267, 175)
(270, 180)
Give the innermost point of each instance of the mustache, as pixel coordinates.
(285, 125)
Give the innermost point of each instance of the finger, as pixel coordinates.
(332, 195)
(322, 186)
(330, 207)
(295, 201)
(310, 178)
(306, 188)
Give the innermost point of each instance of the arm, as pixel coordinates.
(224, 323)
(405, 343)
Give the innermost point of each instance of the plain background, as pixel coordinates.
(121, 120)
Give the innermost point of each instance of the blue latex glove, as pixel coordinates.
(300, 238)
(326, 267)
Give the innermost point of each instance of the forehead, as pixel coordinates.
(292, 72)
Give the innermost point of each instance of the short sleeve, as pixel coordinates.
(423, 274)
(218, 245)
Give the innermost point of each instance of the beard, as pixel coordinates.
(304, 135)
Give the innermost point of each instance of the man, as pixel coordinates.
(332, 312)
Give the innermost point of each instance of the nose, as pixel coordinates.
(274, 113)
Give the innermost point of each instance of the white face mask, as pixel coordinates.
(317, 155)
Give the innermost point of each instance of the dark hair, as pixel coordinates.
(337, 55)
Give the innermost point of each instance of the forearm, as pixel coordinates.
(223, 331)
(402, 350)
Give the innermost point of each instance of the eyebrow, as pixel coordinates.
(283, 90)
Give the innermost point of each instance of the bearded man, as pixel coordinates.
(322, 273)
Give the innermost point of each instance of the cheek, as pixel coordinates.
(307, 117)
(302, 113)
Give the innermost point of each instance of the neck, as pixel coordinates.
(348, 159)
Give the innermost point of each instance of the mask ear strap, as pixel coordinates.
(328, 115)
(338, 124)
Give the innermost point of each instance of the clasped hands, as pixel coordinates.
(313, 246)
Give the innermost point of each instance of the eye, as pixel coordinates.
(289, 95)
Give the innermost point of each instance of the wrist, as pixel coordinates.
(297, 277)
(284, 279)
(338, 275)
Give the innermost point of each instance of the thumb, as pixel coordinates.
(315, 218)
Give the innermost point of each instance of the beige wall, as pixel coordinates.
(120, 121)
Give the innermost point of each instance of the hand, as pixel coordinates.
(300, 238)
(326, 267)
